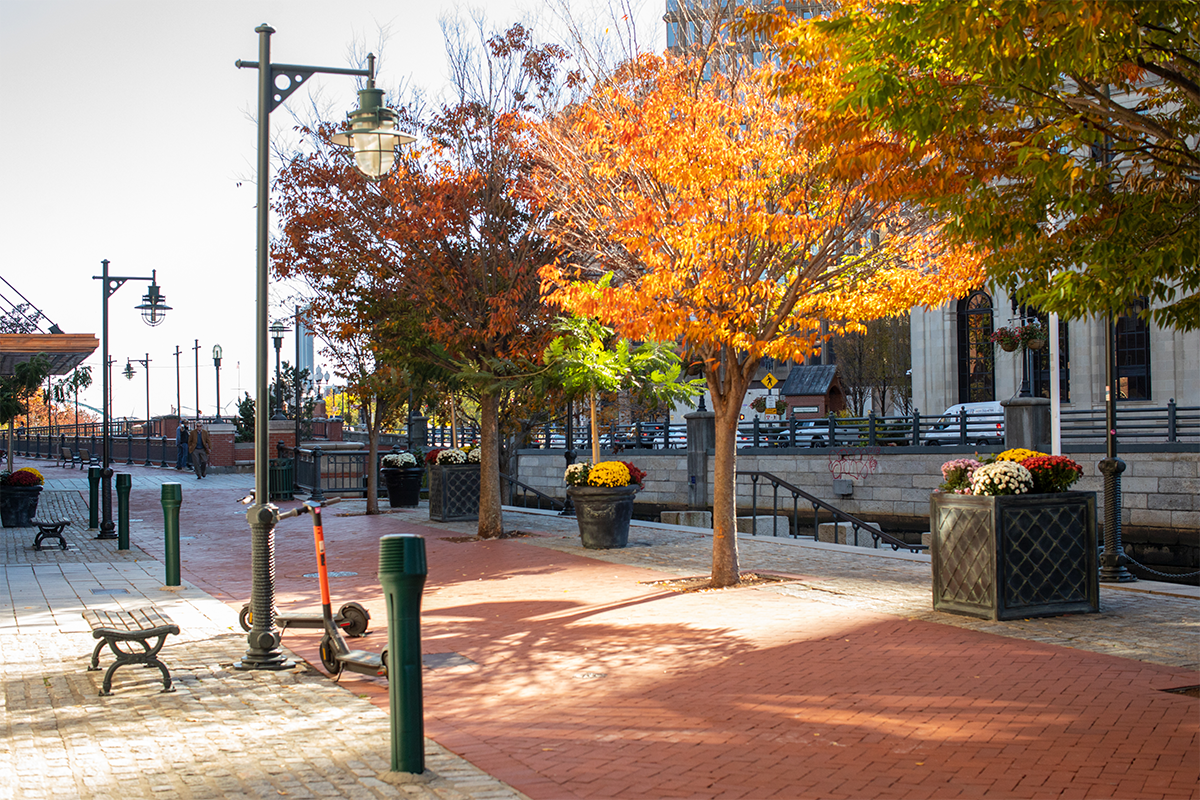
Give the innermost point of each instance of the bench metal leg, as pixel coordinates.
(147, 658)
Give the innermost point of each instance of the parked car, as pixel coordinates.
(812, 432)
(985, 424)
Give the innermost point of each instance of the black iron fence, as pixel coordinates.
(776, 494)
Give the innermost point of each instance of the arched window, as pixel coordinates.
(976, 363)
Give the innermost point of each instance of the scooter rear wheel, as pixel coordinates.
(328, 659)
(246, 618)
(357, 619)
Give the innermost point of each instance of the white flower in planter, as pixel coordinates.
(397, 460)
(452, 456)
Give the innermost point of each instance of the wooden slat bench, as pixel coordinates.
(139, 626)
(50, 530)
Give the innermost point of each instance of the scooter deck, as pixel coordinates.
(363, 662)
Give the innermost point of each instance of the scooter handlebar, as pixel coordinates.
(308, 507)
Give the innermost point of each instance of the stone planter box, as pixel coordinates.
(1015, 556)
(603, 514)
(453, 492)
(403, 485)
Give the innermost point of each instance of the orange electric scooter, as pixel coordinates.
(336, 655)
(352, 618)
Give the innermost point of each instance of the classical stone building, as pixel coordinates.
(954, 361)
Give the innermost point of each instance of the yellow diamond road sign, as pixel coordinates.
(769, 381)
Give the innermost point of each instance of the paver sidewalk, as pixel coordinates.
(566, 673)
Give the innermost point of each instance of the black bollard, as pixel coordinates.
(124, 484)
(93, 498)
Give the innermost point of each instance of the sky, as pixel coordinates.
(128, 134)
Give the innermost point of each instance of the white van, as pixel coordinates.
(985, 424)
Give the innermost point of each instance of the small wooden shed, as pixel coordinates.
(813, 391)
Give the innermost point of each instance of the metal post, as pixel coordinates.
(106, 526)
(178, 385)
(1113, 560)
(172, 499)
(124, 484)
(196, 350)
(263, 651)
(402, 570)
(147, 365)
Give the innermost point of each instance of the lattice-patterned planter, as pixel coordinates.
(453, 492)
(1015, 556)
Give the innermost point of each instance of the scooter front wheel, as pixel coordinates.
(356, 619)
(246, 618)
(328, 657)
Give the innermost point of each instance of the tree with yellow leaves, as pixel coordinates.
(681, 179)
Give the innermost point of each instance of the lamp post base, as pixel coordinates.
(263, 640)
(1113, 560)
(108, 528)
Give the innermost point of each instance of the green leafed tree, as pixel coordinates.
(1075, 126)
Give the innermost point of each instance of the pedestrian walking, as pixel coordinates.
(181, 446)
(200, 446)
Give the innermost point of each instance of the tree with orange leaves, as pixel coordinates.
(680, 178)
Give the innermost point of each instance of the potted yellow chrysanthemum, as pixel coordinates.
(603, 498)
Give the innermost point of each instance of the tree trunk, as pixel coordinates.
(491, 520)
(725, 570)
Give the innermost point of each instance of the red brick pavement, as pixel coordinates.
(588, 683)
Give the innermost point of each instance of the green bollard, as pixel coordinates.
(172, 499)
(93, 498)
(402, 574)
(124, 484)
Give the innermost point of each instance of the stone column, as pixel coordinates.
(1026, 423)
(701, 434)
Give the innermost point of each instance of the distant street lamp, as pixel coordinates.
(145, 362)
(278, 329)
(217, 367)
(373, 138)
(153, 308)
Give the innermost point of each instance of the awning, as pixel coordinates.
(64, 351)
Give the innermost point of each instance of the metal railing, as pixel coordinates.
(512, 488)
(818, 505)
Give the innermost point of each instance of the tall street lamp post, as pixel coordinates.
(153, 308)
(145, 362)
(278, 329)
(373, 138)
(217, 367)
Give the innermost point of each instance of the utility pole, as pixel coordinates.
(197, 351)
(178, 400)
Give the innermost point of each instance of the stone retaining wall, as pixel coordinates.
(1160, 491)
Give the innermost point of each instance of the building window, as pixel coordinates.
(976, 363)
(1041, 364)
(1133, 355)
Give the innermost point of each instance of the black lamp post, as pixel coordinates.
(1113, 559)
(217, 367)
(373, 137)
(153, 308)
(278, 329)
(145, 362)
